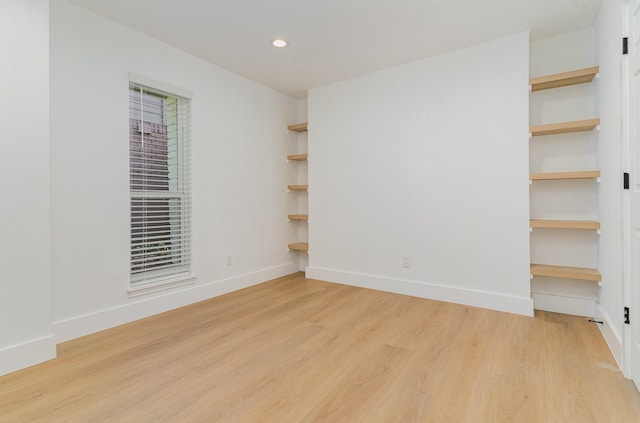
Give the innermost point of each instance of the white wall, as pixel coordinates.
(419, 178)
(239, 173)
(608, 50)
(25, 286)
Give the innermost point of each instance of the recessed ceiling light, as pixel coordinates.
(279, 43)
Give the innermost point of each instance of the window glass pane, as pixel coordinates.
(160, 198)
(156, 233)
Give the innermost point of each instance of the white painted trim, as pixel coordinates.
(433, 291)
(162, 285)
(611, 336)
(160, 85)
(563, 304)
(142, 307)
(19, 356)
(626, 194)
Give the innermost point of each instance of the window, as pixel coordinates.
(159, 175)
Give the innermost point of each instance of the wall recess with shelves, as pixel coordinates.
(564, 186)
(298, 216)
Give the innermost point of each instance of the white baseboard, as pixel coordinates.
(489, 300)
(611, 335)
(141, 307)
(19, 356)
(562, 304)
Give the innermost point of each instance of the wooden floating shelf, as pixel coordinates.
(299, 246)
(588, 174)
(564, 79)
(298, 217)
(564, 127)
(298, 157)
(564, 224)
(581, 273)
(298, 187)
(298, 127)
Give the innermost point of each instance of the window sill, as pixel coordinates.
(161, 285)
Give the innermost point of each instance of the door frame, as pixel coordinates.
(626, 201)
(630, 163)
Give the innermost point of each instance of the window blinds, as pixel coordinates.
(159, 175)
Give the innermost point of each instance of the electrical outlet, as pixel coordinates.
(406, 262)
(229, 261)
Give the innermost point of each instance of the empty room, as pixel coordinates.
(301, 211)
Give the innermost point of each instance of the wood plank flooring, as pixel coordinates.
(300, 350)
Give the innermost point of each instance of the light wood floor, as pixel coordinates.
(299, 350)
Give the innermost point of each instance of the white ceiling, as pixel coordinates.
(332, 40)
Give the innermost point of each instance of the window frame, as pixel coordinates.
(153, 280)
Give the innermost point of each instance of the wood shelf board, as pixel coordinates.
(564, 79)
(298, 157)
(299, 246)
(564, 224)
(298, 187)
(564, 127)
(298, 127)
(580, 273)
(586, 174)
(298, 217)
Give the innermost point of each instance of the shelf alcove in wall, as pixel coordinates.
(567, 225)
(299, 217)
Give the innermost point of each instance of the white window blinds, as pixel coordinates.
(159, 175)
